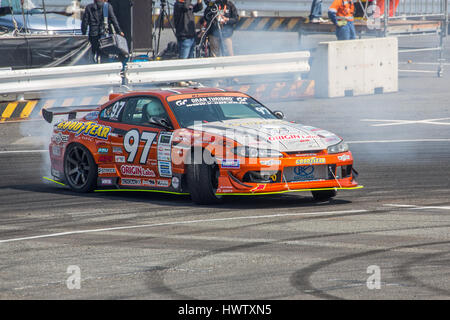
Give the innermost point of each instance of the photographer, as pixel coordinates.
(184, 21)
(221, 17)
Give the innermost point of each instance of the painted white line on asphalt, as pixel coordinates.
(23, 151)
(403, 122)
(417, 207)
(400, 141)
(281, 215)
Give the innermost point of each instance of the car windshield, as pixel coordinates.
(216, 107)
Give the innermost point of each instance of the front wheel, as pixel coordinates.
(80, 169)
(324, 195)
(203, 181)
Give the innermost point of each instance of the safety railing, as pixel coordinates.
(44, 79)
(154, 72)
(218, 68)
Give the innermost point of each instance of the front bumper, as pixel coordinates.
(337, 173)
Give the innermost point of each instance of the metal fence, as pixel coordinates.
(414, 8)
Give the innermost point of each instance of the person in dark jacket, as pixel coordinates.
(93, 18)
(184, 20)
(221, 17)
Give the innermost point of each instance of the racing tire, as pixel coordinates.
(323, 195)
(80, 169)
(202, 181)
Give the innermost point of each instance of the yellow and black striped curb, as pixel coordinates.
(31, 109)
(292, 24)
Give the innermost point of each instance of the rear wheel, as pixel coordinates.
(324, 195)
(203, 181)
(80, 169)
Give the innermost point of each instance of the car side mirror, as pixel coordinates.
(279, 114)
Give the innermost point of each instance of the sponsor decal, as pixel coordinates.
(103, 150)
(231, 164)
(106, 170)
(164, 147)
(117, 150)
(60, 138)
(130, 170)
(344, 157)
(165, 168)
(270, 162)
(293, 137)
(56, 151)
(106, 182)
(91, 129)
(164, 153)
(92, 116)
(56, 173)
(165, 138)
(310, 161)
(175, 182)
(149, 182)
(163, 183)
(131, 182)
(120, 159)
(259, 187)
(305, 173)
(105, 159)
(225, 190)
(305, 155)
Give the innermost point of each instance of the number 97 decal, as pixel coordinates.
(131, 144)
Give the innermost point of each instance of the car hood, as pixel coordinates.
(279, 135)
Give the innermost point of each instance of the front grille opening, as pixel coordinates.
(331, 171)
(344, 172)
(262, 176)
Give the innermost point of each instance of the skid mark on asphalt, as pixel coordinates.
(404, 271)
(301, 279)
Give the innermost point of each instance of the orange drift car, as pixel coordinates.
(199, 141)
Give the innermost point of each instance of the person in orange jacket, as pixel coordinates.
(393, 4)
(341, 14)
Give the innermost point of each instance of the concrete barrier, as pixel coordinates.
(355, 67)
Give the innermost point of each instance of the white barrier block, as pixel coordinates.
(355, 67)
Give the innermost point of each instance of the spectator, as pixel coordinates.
(221, 17)
(315, 15)
(184, 20)
(393, 4)
(93, 18)
(341, 14)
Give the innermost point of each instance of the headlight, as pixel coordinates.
(338, 148)
(249, 152)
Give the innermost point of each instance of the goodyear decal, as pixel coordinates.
(309, 161)
(91, 129)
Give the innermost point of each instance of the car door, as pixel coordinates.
(140, 158)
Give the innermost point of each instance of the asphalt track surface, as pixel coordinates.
(153, 246)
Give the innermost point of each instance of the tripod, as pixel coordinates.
(160, 25)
